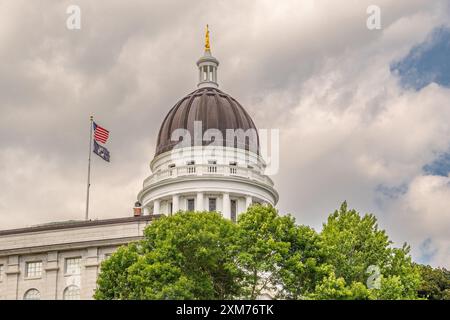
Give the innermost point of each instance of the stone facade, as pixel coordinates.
(61, 260)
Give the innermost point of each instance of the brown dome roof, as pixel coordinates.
(214, 108)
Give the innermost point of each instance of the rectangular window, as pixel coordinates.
(170, 208)
(171, 169)
(190, 204)
(33, 269)
(212, 166)
(1, 272)
(233, 167)
(73, 265)
(212, 204)
(233, 210)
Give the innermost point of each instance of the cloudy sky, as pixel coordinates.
(364, 116)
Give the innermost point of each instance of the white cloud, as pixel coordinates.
(355, 129)
(422, 213)
(309, 68)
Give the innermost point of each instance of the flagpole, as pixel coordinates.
(89, 169)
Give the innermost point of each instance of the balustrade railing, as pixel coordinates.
(207, 169)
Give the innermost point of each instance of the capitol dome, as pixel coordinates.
(220, 168)
(215, 110)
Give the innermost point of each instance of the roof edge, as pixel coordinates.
(77, 224)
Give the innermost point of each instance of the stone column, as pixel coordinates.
(175, 203)
(51, 273)
(248, 201)
(199, 202)
(156, 206)
(89, 274)
(12, 273)
(226, 212)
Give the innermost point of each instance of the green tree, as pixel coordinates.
(332, 288)
(276, 255)
(113, 281)
(263, 243)
(435, 283)
(200, 255)
(352, 243)
(303, 266)
(185, 256)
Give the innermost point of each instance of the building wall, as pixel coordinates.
(241, 204)
(53, 280)
(90, 242)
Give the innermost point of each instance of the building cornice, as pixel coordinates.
(76, 224)
(70, 246)
(177, 180)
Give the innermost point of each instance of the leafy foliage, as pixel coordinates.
(114, 280)
(352, 243)
(200, 255)
(185, 256)
(332, 288)
(435, 284)
(263, 242)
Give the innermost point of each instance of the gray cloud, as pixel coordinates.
(309, 68)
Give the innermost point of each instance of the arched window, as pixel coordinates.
(32, 294)
(71, 293)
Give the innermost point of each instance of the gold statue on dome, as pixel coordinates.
(207, 46)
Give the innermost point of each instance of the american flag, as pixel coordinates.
(100, 134)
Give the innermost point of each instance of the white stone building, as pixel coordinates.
(61, 260)
(207, 158)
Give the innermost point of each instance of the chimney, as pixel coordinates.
(137, 210)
